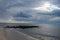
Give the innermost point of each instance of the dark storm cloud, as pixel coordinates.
(22, 14)
(56, 13)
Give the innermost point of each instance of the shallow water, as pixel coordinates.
(48, 31)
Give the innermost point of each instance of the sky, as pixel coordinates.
(30, 11)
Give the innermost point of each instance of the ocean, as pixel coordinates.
(46, 32)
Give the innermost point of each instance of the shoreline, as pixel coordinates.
(4, 32)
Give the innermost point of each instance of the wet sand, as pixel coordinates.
(12, 34)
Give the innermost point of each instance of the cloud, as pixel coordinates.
(56, 13)
(55, 18)
(56, 2)
(22, 14)
(21, 10)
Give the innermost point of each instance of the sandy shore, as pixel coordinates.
(2, 34)
(12, 34)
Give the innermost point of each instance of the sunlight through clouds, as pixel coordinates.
(47, 6)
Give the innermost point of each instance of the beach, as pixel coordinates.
(12, 34)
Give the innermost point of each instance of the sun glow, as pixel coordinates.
(47, 7)
(10, 20)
